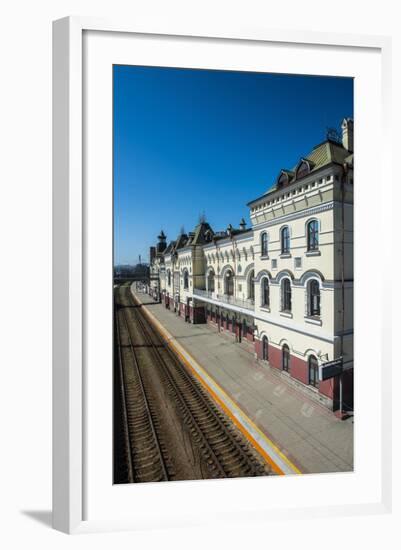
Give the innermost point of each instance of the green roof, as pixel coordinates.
(326, 153)
(200, 233)
(321, 155)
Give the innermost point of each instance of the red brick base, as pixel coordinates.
(275, 357)
(299, 370)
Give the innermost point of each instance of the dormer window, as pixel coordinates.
(303, 168)
(282, 180)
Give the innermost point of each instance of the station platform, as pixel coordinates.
(294, 433)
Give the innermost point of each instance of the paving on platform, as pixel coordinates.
(298, 434)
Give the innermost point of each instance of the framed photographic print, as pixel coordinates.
(213, 194)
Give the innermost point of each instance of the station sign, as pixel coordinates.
(330, 369)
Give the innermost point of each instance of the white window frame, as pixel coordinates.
(266, 235)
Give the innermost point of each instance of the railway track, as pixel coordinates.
(145, 453)
(221, 450)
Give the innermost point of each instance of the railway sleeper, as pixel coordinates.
(146, 468)
(144, 447)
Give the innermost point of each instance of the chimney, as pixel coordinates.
(347, 128)
(152, 253)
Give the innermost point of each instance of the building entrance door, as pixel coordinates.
(187, 310)
(286, 358)
(265, 348)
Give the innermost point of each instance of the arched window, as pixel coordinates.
(186, 279)
(210, 281)
(229, 283)
(265, 348)
(265, 301)
(313, 371)
(313, 298)
(263, 244)
(251, 286)
(285, 240)
(313, 235)
(168, 277)
(286, 304)
(286, 358)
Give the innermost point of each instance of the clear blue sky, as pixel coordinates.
(192, 141)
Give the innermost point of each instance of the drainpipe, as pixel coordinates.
(173, 266)
(217, 281)
(235, 276)
(343, 180)
(235, 265)
(217, 269)
(172, 274)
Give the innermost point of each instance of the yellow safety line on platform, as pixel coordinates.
(170, 340)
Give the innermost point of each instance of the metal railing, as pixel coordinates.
(204, 293)
(226, 299)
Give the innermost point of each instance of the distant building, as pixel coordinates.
(283, 288)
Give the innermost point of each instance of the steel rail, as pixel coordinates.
(149, 414)
(201, 403)
(124, 404)
(179, 397)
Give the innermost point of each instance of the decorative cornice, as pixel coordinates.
(305, 180)
(296, 215)
(227, 240)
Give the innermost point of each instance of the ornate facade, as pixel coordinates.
(283, 288)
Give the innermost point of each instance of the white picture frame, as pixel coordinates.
(70, 259)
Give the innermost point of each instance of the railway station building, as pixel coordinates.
(282, 288)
